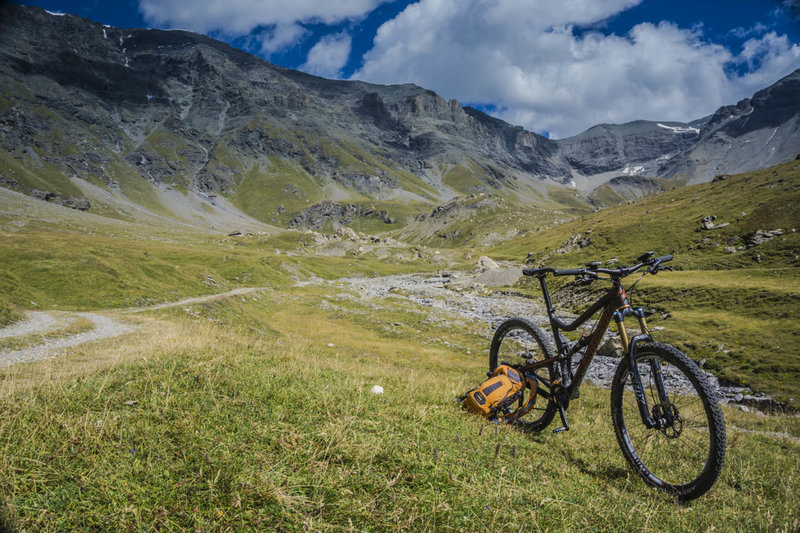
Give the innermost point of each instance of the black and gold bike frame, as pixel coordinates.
(614, 304)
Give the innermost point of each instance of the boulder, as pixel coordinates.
(578, 240)
(498, 277)
(81, 204)
(347, 233)
(486, 263)
(611, 348)
(707, 222)
(11, 183)
(761, 236)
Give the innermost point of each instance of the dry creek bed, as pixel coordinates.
(457, 295)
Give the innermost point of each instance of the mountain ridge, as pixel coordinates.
(98, 111)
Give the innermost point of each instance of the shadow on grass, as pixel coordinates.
(606, 472)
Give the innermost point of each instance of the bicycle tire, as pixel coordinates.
(514, 337)
(686, 458)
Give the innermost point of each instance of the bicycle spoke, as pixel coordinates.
(677, 454)
(522, 345)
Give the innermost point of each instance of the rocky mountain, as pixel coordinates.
(173, 124)
(636, 148)
(756, 133)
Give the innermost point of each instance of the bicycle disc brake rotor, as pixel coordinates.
(672, 425)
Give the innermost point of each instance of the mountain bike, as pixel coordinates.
(665, 413)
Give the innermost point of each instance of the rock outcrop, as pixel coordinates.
(180, 109)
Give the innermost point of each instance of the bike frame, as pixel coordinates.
(614, 304)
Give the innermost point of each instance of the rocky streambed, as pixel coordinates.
(462, 295)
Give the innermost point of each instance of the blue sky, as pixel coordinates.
(552, 66)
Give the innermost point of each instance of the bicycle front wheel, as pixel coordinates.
(683, 456)
(520, 342)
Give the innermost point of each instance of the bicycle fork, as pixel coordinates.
(629, 347)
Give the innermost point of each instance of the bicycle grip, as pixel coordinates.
(568, 272)
(663, 259)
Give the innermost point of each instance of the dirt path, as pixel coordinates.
(104, 327)
(35, 322)
(42, 322)
(198, 299)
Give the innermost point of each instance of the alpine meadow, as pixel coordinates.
(238, 297)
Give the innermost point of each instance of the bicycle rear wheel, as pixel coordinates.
(520, 342)
(686, 455)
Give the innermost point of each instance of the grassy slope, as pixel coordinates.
(261, 193)
(479, 220)
(49, 268)
(239, 416)
(8, 313)
(246, 418)
(59, 257)
(287, 187)
(670, 222)
(737, 310)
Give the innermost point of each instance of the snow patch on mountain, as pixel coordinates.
(633, 170)
(678, 129)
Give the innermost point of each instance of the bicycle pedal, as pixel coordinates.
(560, 430)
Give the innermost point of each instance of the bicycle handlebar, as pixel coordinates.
(569, 272)
(653, 265)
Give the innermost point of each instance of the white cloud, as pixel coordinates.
(279, 36)
(240, 17)
(746, 32)
(328, 56)
(526, 59)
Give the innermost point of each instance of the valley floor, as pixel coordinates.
(252, 409)
(181, 380)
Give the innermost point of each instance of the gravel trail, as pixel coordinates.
(104, 327)
(198, 299)
(35, 322)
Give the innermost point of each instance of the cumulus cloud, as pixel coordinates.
(279, 36)
(529, 61)
(280, 18)
(328, 56)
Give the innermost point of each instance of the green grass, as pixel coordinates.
(747, 333)
(45, 266)
(44, 177)
(254, 412)
(241, 417)
(8, 312)
(262, 192)
(606, 196)
(139, 191)
(478, 221)
(465, 179)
